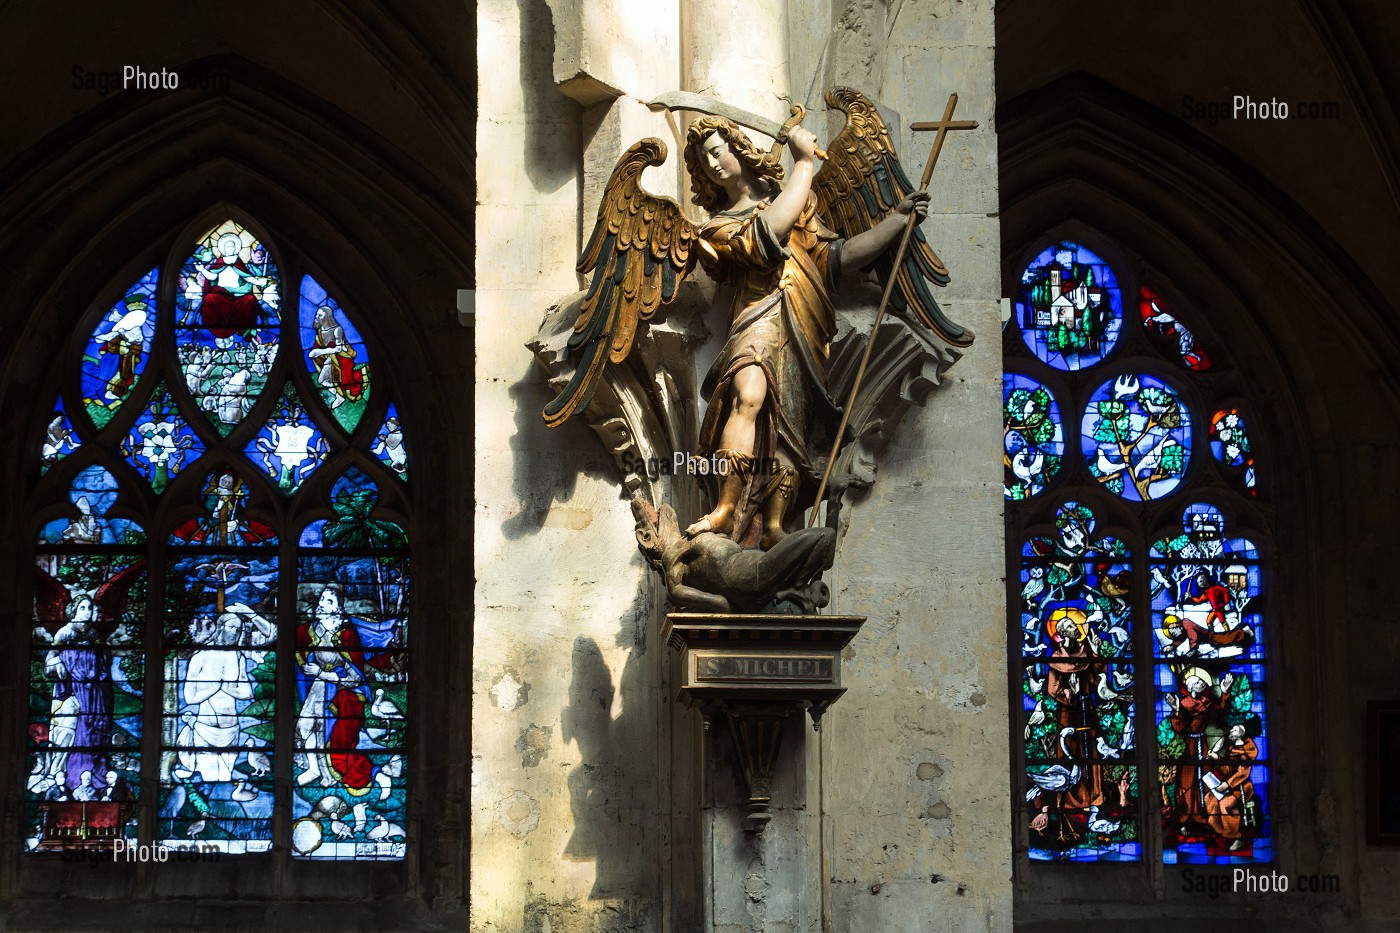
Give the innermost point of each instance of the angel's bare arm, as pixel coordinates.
(862, 249)
(787, 206)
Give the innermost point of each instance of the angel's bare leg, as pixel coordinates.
(746, 394)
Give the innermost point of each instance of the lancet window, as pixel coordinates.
(218, 654)
(1139, 626)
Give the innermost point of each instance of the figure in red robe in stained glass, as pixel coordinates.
(229, 304)
(335, 358)
(331, 685)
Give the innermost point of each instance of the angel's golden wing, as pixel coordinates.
(859, 184)
(639, 254)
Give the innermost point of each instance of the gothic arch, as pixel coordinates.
(1081, 157)
(87, 207)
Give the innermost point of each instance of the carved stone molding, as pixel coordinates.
(755, 671)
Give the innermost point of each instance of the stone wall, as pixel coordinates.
(594, 806)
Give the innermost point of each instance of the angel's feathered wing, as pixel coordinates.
(639, 254)
(50, 600)
(110, 600)
(860, 183)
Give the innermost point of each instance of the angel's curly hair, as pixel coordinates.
(704, 192)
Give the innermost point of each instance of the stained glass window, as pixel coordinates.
(227, 323)
(87, 673)
(335, 354)
(1169, 336)
(1132, 630)
(352, 682)
(1136, 436)
(1032, 435)
(1081, 783)
(1069, 307)
(1211, 719)
(1230, 445)
(279, 700)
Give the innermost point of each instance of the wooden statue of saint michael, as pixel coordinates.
(780, 245)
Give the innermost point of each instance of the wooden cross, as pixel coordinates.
(942, 126)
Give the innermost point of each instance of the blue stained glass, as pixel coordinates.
(335, 354)
(1230, 445)
(354, 497)
(161, 442)
(389, 444)
(352, 691)
(60, 439)
(288, 447)
(1207, 590)
(227, 322)
(1033, 437)
(225, 524)
(218, 722)
(116, 354)
(1075, 590)
(1136, 436)
(1069, 307)
(1211, 734)
(93, 493)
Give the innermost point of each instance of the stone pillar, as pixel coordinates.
(915, 769)
(737, 51)
(571, 775)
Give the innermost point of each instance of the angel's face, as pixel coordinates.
(721, 165)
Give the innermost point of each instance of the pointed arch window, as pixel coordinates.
(1138, 627)
(219, 652)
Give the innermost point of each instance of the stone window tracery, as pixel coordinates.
(219, 650)
(1138, 616)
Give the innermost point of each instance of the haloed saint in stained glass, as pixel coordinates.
(1230, 445)
(335, 354)
(1136, 435)
(1169, 336)
(227, 322)
(220, 671)
(86, 675)
(1206, 591)
(1069, 307)
(288, 446)
(1033, 436)
(1213, 742)
(352, 688)
(59, 440)
(116, 354)
(161, 442)
(1212, 724)
(1077, 694)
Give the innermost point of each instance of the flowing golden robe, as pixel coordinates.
(781, 319)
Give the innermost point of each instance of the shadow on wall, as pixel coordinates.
(548, 462)
(549, 164)
(613, 790)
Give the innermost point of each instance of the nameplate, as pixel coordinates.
(729, 668)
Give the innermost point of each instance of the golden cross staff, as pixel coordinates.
(942, 127)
